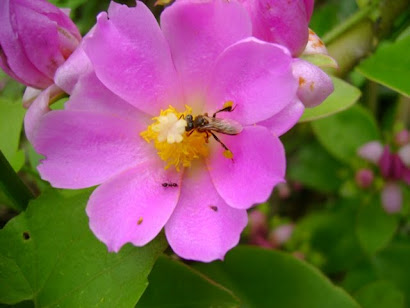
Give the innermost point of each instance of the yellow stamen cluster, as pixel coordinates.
(171, 140)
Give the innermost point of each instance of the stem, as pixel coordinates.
(12, 186)
(348, 23)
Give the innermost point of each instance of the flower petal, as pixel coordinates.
(258, 165)
(371, 151)
(83, 149)
(284, 22)
(134, 206)
(392, 198)
(91, 95)
(256, 76)
(138, 66)
(39, 107)
(203, 227)
(314, 84)
(68, 74)
(281, 122)
(197, 33)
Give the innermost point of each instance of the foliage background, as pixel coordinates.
(354, 253)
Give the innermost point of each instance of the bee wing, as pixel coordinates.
(223, 126)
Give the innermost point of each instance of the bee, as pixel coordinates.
(211, 125)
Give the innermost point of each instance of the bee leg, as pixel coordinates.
(206, 136)
(190, 133)
(181, 117)
(228, 108)
(227, 153)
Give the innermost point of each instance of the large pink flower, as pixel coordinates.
(202, 59)
(35, 39)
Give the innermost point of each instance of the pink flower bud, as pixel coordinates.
(371, 151)
(392, 198)
(364, 178)
(385, 162)
(404, 154)
(402, 137)
(281, 234)
(35, 39)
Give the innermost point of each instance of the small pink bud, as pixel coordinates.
(281, 234)
(36, 37)
(371, 151)
(364, 178)
(402, 137)
(283, 190)
(392, 198)
(404, 153)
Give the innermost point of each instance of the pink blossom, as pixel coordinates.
(392, 198)
(285, 22)
(35, 39)
(202, 59)
(364, 178)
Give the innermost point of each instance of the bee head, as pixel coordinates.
(200, 121)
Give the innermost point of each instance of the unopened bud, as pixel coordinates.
(364, 178)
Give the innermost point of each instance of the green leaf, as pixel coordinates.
(49, 255)
(175, 284)
(374, 227)
(268, 278)
(344, 96)
(380, 294)
(343, 133)
(11, 123)
(390, 66)
(315, 168)
(393, 264)
(332, 234)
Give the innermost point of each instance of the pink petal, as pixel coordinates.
(284, 22)
(91, 95)
(256, 76)
(371, 151)
(138, 66)
(133, 207)
(30, 94)
(314, 84)
(83, 149)
(68, 74)
(13, 57)
(392, 198)
(197, 33)
(45, 56)
(203, 227)
(258, 165)
(285, 119)
(309, 8)
(39, 107)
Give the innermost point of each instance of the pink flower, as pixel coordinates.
(35, 39)
(285, 22)
(152, 172)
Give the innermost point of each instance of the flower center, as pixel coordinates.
(175, 146)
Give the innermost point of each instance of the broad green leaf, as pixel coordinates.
(11, 123)
(344, 96)
(380, 294)
(49, 255)
(332, 234)
(320, 60)
(390, 66)
(343, 133)
(374, 227)
(315, 168)
(393, 264)
(175, 284)
(269, 278)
